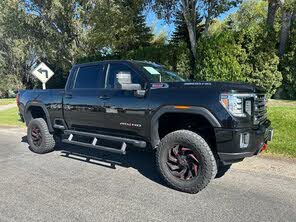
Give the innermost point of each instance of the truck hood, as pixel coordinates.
(220, 86)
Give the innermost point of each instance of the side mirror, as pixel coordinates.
(124, 82)
(138, 91)
(131, 87)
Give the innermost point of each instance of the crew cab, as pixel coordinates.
(197, 129)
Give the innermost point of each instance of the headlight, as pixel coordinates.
(239, 105)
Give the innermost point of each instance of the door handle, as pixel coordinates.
(104, 97)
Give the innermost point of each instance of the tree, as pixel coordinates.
(189, 8)
(288, 66)
(58, 26)
(288, 12)
(13, 51)
(118, 26)
(167, 8)
(55, 31)
(181, 34)
(273, 6)
(214, 8)
(253, 36)
(221, 58)
(240, 49)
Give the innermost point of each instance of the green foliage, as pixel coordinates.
(162, 54)
(241, 49)
(289, 67)
(181, 40)
(9, 84)
(63, 32)
(215, 8)
(181, 32)
(265, 71)
(183, 61)
(118, 26)
(13, 51)
(220, 58)
(260, 45)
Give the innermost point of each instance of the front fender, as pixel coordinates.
(174, 109)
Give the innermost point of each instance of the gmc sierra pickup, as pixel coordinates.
(196, 128)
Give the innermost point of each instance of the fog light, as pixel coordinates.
(244, 140)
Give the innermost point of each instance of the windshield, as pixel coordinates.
(157, 73)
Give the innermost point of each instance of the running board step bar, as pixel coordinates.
(108, 149)
(95, 137)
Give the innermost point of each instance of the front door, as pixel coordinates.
(125, 113)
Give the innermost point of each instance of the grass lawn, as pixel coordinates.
(283, 120)
(10, 117)
(282, 114)
(7, 101)
(280, 103)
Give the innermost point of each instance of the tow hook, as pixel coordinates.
(263, 148)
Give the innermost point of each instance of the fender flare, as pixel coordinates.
(172, 109)
(43, 107)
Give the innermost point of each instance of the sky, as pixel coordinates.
(160, 24)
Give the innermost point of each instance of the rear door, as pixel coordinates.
(82, 107)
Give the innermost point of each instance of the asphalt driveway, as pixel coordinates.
(80, 184)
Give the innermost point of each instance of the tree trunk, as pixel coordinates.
(189, 12)
(207, 25)
(273, 6)
(209, 16)
(192, 36)
(285, 30)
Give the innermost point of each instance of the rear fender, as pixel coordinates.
(28, 116)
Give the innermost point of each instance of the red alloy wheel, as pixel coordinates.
(183, 163)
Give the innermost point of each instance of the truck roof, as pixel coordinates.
(122, 61)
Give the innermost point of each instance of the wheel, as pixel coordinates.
(39, 138)
(185, 161)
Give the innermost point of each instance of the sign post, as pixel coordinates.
(43, 73)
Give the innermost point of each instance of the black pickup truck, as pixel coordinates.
(197, 129)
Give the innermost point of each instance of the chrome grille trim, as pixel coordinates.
(260, 109)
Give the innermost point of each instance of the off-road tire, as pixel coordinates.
(208, 164)
(47, 143)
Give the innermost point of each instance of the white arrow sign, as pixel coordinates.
(43, 73)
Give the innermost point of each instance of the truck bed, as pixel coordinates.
(51, 98)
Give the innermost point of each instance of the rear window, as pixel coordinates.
(89, 77)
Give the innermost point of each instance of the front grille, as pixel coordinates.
(260, 109)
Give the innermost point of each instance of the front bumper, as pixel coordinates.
(232, 148)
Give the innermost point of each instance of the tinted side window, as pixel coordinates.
(114, 69)
(89, 77)
(71, 78)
